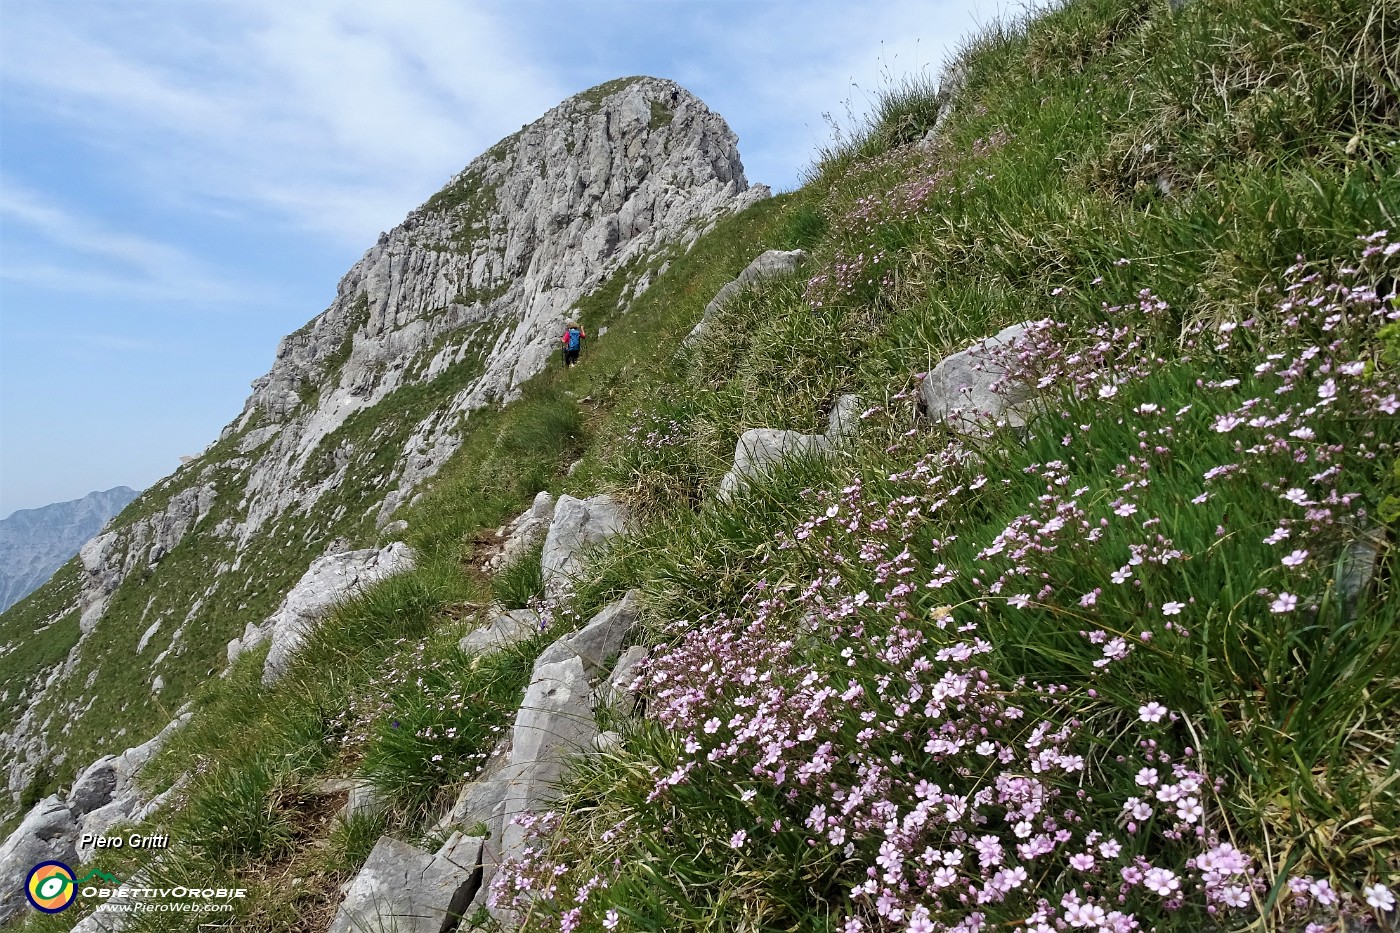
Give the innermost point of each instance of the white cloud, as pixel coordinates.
(334, 118)
(65, 251)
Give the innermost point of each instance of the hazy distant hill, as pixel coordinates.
(36, 542)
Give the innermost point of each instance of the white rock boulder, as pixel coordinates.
(767, 265)
(331, 579)
(760, 449)
(405, 889)
(972, 388)
(47, 833)
(577, 525)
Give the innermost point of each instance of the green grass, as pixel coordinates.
(520, 581)
(1094, 151)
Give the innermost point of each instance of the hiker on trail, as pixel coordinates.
(572, 340)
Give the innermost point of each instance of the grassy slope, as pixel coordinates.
(1270, 142)
(1103, 150)
(390, 657)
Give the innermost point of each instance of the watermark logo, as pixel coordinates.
(50, 887)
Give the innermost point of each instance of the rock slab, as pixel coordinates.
(600, 639)
(970, 389)
(404, 889)
(503, 629)
(330, 579)
(760, 449)
(577, 524)
(767, 265)
(48, 833)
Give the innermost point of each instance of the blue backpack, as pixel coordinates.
(575, 338)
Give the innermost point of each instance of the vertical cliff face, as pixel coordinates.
(461, 303)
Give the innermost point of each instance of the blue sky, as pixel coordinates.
(182, 183)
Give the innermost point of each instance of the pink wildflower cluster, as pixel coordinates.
(926, 181)
(866, 705)
(654, 432)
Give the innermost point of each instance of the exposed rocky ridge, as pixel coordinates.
(36, 542)
(491, 265)
(467, 296)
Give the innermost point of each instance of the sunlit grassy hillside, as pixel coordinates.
(1130, 667)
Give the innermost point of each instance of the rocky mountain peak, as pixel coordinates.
(492, 264)
(461, 304)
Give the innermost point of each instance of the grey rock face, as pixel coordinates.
(524, 532)
(47, 833)
(36, 542)
(504, 628)
(1356, 570)
(606, 741)
(577, 524)
(617, 692)
(970, 389)
(108, 558)
(479, 802)
(106, 793)
(761, 448)
(768, 265)
(404, 889)
(844, 418)
(93, 788)
(331, 579)
(554, 722)
(600, 639)
(363, 800)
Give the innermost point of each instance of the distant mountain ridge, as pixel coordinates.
(36, 542)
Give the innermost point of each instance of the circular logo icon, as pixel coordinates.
(50, 887)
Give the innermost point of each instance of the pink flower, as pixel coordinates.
(737, 840)
(1172, 608)
(1161, 881)
(1152, 712)
(1296, 558)
(1286, 602)
(1379, 897)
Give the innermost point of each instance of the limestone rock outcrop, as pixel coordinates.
(970, 388)
(492, 265)
(504, 627)
(103, 794)
(48, 833)
(770, 264)
(331, 579)
(577, 525)
(108, 558)
(601, 639)
(760, 449)
(523, 533)
(403, 888)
